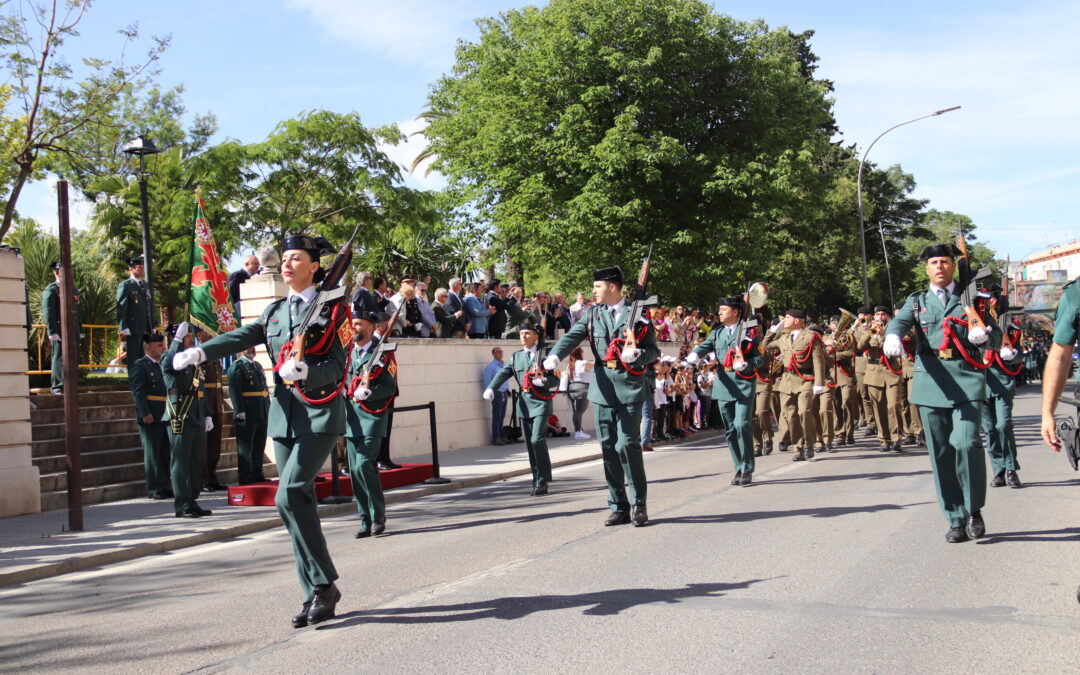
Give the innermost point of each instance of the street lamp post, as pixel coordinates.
(141, 147)
(858, 196)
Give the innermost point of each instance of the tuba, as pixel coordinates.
(844, 333)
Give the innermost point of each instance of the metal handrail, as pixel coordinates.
(99, 345)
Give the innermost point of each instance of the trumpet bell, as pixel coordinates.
(757, 295)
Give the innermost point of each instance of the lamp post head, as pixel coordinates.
(140, 146)
(942, 112)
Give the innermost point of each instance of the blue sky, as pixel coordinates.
(1008, 158)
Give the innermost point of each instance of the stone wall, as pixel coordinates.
(19, 485)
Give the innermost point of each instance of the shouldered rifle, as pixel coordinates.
(640, 302)
(384, 347)
(969, 282)
(318, 316)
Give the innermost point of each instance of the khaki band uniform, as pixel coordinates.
(804, 369)
(884, 377)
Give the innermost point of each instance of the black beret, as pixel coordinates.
(316, 246)
(137, 260)
(881, 308)
(865, 309)
(55, 265)
(796, 313)
(153, 337)
(734, 302)
(612, 274)
(939, 251)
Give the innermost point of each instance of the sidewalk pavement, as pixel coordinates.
(38, 545)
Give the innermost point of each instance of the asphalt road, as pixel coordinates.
(836, 565)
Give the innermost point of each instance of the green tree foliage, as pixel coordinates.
(588, 129)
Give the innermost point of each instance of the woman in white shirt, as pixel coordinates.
(575, 382)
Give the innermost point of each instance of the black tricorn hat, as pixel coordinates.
(734, 301)
(796, 313)
(612, 274)
(135, 260)
(54, 265)
(939, 251)
(153, 337)
(316, 246)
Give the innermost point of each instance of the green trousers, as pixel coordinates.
(299, 460)
(952, 437)
(250, 443)
(57, 380)
(156, 456)
(133, 345)
(619, 431)
(366, 485)
(739, 431)
(534, 429)
(1000, 439)
(188, 451)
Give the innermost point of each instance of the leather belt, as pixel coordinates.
(160, 399)
(260, 394)
(212, 385)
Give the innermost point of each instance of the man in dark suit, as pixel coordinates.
(496, 297)
(250, 269)
(455, 305)
(363, 302)
(381, 293)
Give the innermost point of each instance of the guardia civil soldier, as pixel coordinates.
(307, 412)
(617, 390)
(884, 377)
(1059, 361)
(997, 423)
(803, 379)
(50, 308)
(734, 386)
(949, 388)
(134, 309)
(372, 387)
(148, 391)
(538, 386)
(186, 413)
(251, 407)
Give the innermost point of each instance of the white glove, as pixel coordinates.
(293, 370)
(739, 366)
(418, 326)
(241, 417)
(775, 328)
(125, 332)
(1008, 353)
(181, 331)
(551, 362)
(54, 337)
(361, 394)
(977, 335)
(209, 424)
(489, 395)
(692, 358)
(539, 381)
(630, 354)
(892, 347)
(712, 357)
(189, 357)
(818, 390)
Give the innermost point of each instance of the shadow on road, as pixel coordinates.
(882, 475)
(603, 603)
(531, 518)
(1067, 534)
(748, 516)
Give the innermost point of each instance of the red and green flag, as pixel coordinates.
(209, 305)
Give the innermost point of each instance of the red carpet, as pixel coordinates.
(262, 494)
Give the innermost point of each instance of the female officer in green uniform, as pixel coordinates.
(307, 412)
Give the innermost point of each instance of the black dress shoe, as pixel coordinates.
(201, 511)
(757, 452)
(809, 453)
(391, 464)
(1012, 479)
(747, 478)
(922, 439)
(767, 448)
(300, 620)
(380, 526)
(999, 480)
(885, 447)
(798, 457)
(897, 447)
(975, 525)
(851, 439)
(323, 604)
(363, 533)
(540, 490)
(188, 513)
(784, 447)
(736, 478)
(910, 440)
(955, 535)
(617, 518)
(640, 516)
(382, 467)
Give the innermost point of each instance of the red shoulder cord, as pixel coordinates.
(954, 339)
(320, 348)
(729, 361)
(803, 357)
(888, 366)
(614, 350)
(375, 372)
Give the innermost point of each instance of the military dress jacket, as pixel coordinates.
(729, 384)
(370, 417)
(182, 385)
(532, 397)
(612, 384)
(843, 364)
(291, 415)
(880, 371)
(942, 378)
(147, 389)
(803, 360)
(247, 390)
(50, 305)
(134, 307)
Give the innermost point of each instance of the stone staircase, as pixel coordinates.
(112, 456)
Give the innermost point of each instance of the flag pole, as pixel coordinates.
(191, 253)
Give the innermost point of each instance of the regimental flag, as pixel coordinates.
(208, 298)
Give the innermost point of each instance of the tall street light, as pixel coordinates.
(141, 147)
(858, 193)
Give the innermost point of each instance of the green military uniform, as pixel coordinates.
(304, 433)
(185, 411)
(997, 412)
(950, 393)
(148, 391)
(734, 393)
(135, 312)
(50, 306)
(249, 396)
(617, 395)
(804, 361)
(534, 406)
(365, 426)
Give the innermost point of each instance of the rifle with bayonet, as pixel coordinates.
(969, 282)
(640, 302)
(384, 347)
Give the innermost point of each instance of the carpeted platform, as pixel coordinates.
(262, 494)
